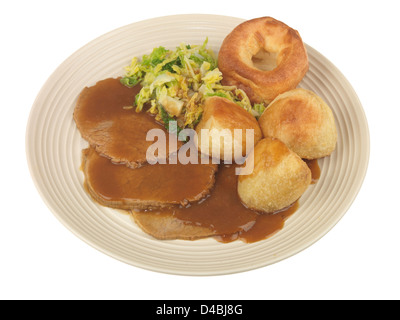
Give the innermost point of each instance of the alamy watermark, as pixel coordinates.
(165, 150)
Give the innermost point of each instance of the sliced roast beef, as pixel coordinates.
(106, 119)
(146, 187)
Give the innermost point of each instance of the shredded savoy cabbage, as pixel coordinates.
(176, 83)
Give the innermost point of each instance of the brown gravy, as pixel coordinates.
(315, 170)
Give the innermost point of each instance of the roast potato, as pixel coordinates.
(226, 125)
(303, 121)
(278, 179)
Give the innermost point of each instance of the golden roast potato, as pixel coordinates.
(278, 179)
(223, 129)
(303, 121)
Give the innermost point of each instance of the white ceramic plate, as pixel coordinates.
(53, 146)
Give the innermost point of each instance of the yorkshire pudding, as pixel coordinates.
(264, 57)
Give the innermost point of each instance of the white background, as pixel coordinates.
(358, 259)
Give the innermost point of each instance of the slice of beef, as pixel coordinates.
(165, 226)
(146, 187)
(115, 131)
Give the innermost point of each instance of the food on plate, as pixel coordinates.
(303, 121)
(263, 39)
(279, 177)
(220, 119)
(112, 129)
(175, 84)
(245, 107)
(150, 186)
